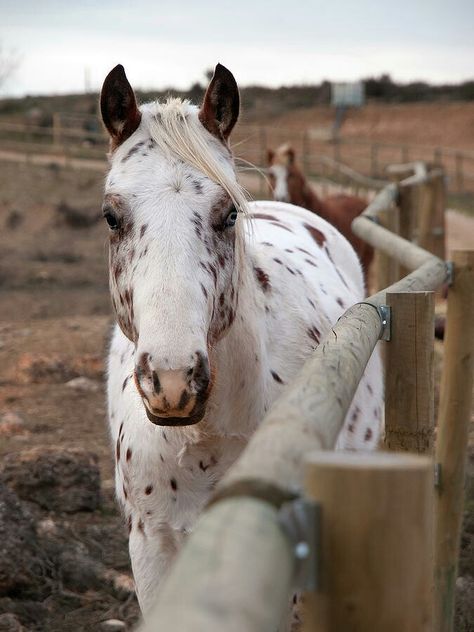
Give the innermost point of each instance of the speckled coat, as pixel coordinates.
(256, 297)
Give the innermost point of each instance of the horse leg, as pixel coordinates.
(151, 555)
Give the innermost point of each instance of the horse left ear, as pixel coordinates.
(118, 106)
(220, 108)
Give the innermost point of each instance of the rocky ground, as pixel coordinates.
(63, 556)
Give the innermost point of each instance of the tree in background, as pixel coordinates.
(9, 63)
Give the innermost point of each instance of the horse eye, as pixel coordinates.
(111, 220)
(231, 218)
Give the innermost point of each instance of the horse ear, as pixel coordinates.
(270, 156)
(118, 106)
(290, 156)
(220, 108)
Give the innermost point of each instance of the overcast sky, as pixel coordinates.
(165, 43)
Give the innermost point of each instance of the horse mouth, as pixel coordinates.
(193, 418)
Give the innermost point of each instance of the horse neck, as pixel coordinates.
(310, 200)
(240, 388)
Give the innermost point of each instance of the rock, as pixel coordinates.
(23, 565)
(47, 528)
(83, 384)
(122, 585)
(55, 368)
(113, 625)
(57, 479)
(79, 572)
(464, 604)
(9, 623)
(11, 424)
(43, 368)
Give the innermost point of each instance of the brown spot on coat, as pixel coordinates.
(276, 377)
(263, 279)
(148, 489)
(314, 334)
(316, 234)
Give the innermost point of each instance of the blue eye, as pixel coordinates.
(231, 218)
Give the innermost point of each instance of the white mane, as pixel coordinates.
(175, 127)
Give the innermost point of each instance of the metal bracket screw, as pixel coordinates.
(385, 313)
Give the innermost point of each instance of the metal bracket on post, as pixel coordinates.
(450, 270)
(301, 521)
(385, 314)
(437, 476)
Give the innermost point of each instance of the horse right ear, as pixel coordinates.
(270, 156)
(220, 109)
(290, 156)
(118, 107)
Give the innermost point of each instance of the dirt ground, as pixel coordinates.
(54, 325)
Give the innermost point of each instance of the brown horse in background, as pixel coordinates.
(288, 184)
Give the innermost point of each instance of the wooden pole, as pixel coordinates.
(452, 437)
(306, 153)
(57, 130)
(374, 165)
(234, 574)
(387, 268)
(425, 215)
(459, 172)
(376, 555)
(406, 205)
(263, 158)
(409, 375)
(439, 218)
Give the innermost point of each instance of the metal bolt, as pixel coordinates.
(302, 550)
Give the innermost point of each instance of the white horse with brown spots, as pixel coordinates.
(218, 303)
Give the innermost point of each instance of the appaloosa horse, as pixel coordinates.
(288, 184)
(218, 303)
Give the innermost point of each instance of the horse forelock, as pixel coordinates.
(175, 127)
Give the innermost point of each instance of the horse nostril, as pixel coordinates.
(156, 382)
(201, 373)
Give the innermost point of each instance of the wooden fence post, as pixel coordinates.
(376, 554)
(57, 130)
(306, 154)
(387, 269)
(439, 218)
(263, 142)
(425, 223)
(409, 375)
(374, 165)
(452, 434)
(459, 172)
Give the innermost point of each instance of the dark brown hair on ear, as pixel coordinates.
(220, 107)
(118, 107)
(290, 156)
(270, 156)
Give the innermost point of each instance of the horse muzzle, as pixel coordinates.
(174, 397)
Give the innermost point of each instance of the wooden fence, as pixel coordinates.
(368, 562)
(78, 136)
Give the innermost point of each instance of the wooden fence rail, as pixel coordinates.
(237, 568)
(319, 155)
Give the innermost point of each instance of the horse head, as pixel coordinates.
(287, 182)
(171, 204)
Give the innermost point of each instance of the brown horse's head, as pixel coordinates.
(287, 182)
